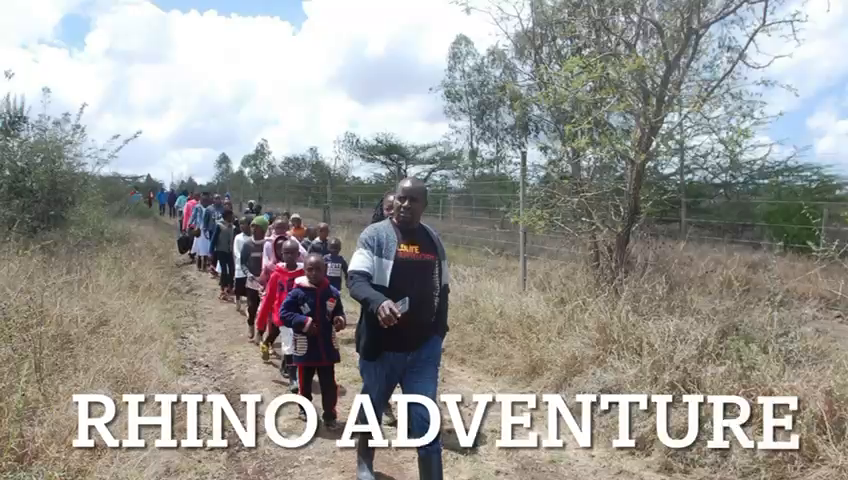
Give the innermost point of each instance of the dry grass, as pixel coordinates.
(692, 320)
(80, 318)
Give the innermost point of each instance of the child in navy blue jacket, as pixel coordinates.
(313, 310)
(336, 264)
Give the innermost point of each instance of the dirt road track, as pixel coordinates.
(218, 359)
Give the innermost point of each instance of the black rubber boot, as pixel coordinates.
(364, 459)
(430, 467)
(284, 366)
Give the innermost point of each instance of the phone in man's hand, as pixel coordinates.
(403, 305)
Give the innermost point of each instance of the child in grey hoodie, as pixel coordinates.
(251, 261)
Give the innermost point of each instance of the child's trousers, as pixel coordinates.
(287, 368)
(227, 268)
(273, 332)
(327, 382)
(252, 305)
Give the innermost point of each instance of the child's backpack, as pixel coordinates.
(184, 243)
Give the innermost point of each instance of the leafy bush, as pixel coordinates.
(47, 165)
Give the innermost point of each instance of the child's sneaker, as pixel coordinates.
(293, 388)
(331, 424)
(263, 351)
(250, 333)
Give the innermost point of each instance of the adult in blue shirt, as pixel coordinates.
(179, 205)
(162, 198)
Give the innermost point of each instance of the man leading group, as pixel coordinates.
(399, 275)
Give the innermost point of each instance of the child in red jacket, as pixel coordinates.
(313, 310)
(278, 286)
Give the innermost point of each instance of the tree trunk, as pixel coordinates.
(632, 213)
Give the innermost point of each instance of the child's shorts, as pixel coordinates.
(241, 287)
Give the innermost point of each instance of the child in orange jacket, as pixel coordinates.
(278, 286)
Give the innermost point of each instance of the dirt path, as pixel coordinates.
(218, 358)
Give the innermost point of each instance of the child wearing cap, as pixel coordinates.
(297, 230)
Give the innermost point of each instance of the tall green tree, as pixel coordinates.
(258, 165)
(240, 186)
(189, 185)
(223, 172)
(464, 91)
(150, 184)
(610, 77)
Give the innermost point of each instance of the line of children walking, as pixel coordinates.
(290, 282)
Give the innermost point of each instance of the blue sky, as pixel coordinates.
(290, 10)
(792, 127)
(301, 73)
(73, 27)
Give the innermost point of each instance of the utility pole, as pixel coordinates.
(329, 197)
(331, 169)
(824, 220)
(681, 173)
(241, 192)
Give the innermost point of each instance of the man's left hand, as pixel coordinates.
(339, 323)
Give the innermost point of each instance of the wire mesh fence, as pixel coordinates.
(484, 217)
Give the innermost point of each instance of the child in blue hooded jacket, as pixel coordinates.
(313, 310)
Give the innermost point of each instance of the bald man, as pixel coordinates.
(399, 275)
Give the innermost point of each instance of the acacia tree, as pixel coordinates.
(611, 77)
(399, 159)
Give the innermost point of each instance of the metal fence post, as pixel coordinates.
(823, 227)
(329, 199)
(522, 235)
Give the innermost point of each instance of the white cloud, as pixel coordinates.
(829, 126)
(818, 69)
(200, 83)
(819, 62)
(25, 21)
